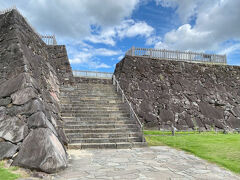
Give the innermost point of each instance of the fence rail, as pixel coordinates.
(133, 115)
(92, 74)
(47, 39)
(177, 55)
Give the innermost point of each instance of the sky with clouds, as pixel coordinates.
(97, 33)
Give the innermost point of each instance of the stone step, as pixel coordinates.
(102, 126)
(105, 140)
(94, 111)
(67, 118)
(110, 101)
(100, 122)
(105, 115)
(95, 117)
(122, 145)
(92, 105)
(103, 135)
(84, 85)
(80, 98)
(89, 88)
(113, 130)
(109, 108)
(88, 95)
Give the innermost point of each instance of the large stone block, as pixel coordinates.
(2, 113)
(40, 120)
(28, 109)
(12, 85)
(13, 129)
(5, 101)
(41, 150)
(24, 95)
(7, 150)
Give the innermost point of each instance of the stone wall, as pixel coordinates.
(59, 60)
(31, 129)
(185, 95)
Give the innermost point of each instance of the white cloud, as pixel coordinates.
(127, 28)
(216, 21)
(230, 49)
(87, 57)
(187, 9)
(120, 57)
(105, 52)
(73, 18)
(153, 40)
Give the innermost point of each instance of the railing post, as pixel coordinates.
(133, 51)
(151, 53)
(114, 80)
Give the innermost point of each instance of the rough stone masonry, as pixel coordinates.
(31, 129)
(186, 95)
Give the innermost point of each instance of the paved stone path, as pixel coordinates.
(158, 163)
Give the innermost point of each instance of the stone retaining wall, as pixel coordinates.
(186, 95)
(31, 129)
(59, 60)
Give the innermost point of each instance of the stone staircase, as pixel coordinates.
(96, 117)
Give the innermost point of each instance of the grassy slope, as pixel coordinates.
(218, 148)
(6, 174)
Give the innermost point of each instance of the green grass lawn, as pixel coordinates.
(7, 174)
(223, 149)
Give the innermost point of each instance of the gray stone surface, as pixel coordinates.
(154, 163)
(5, 101)
(13, 129)
(24, 95)
(183, 94)
(41, 150)
(2, 113)
(30, 76)
(7, 150)
(12, 85)
(39, 120)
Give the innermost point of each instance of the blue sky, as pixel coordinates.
(97, 33)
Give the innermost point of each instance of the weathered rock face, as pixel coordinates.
(29, 91)
(61, 64)
(41, 150)
(186, 95)
(7, 150)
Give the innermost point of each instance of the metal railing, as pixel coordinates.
(178, 55)
(47, 39)
(133, 115)
(8, 10)
(92, 74)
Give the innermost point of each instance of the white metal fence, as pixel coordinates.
(92, 74)
(48, 39)
(177, 55)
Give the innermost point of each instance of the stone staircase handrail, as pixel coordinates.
(124, 98)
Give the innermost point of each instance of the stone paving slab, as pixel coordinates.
(150, 163)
